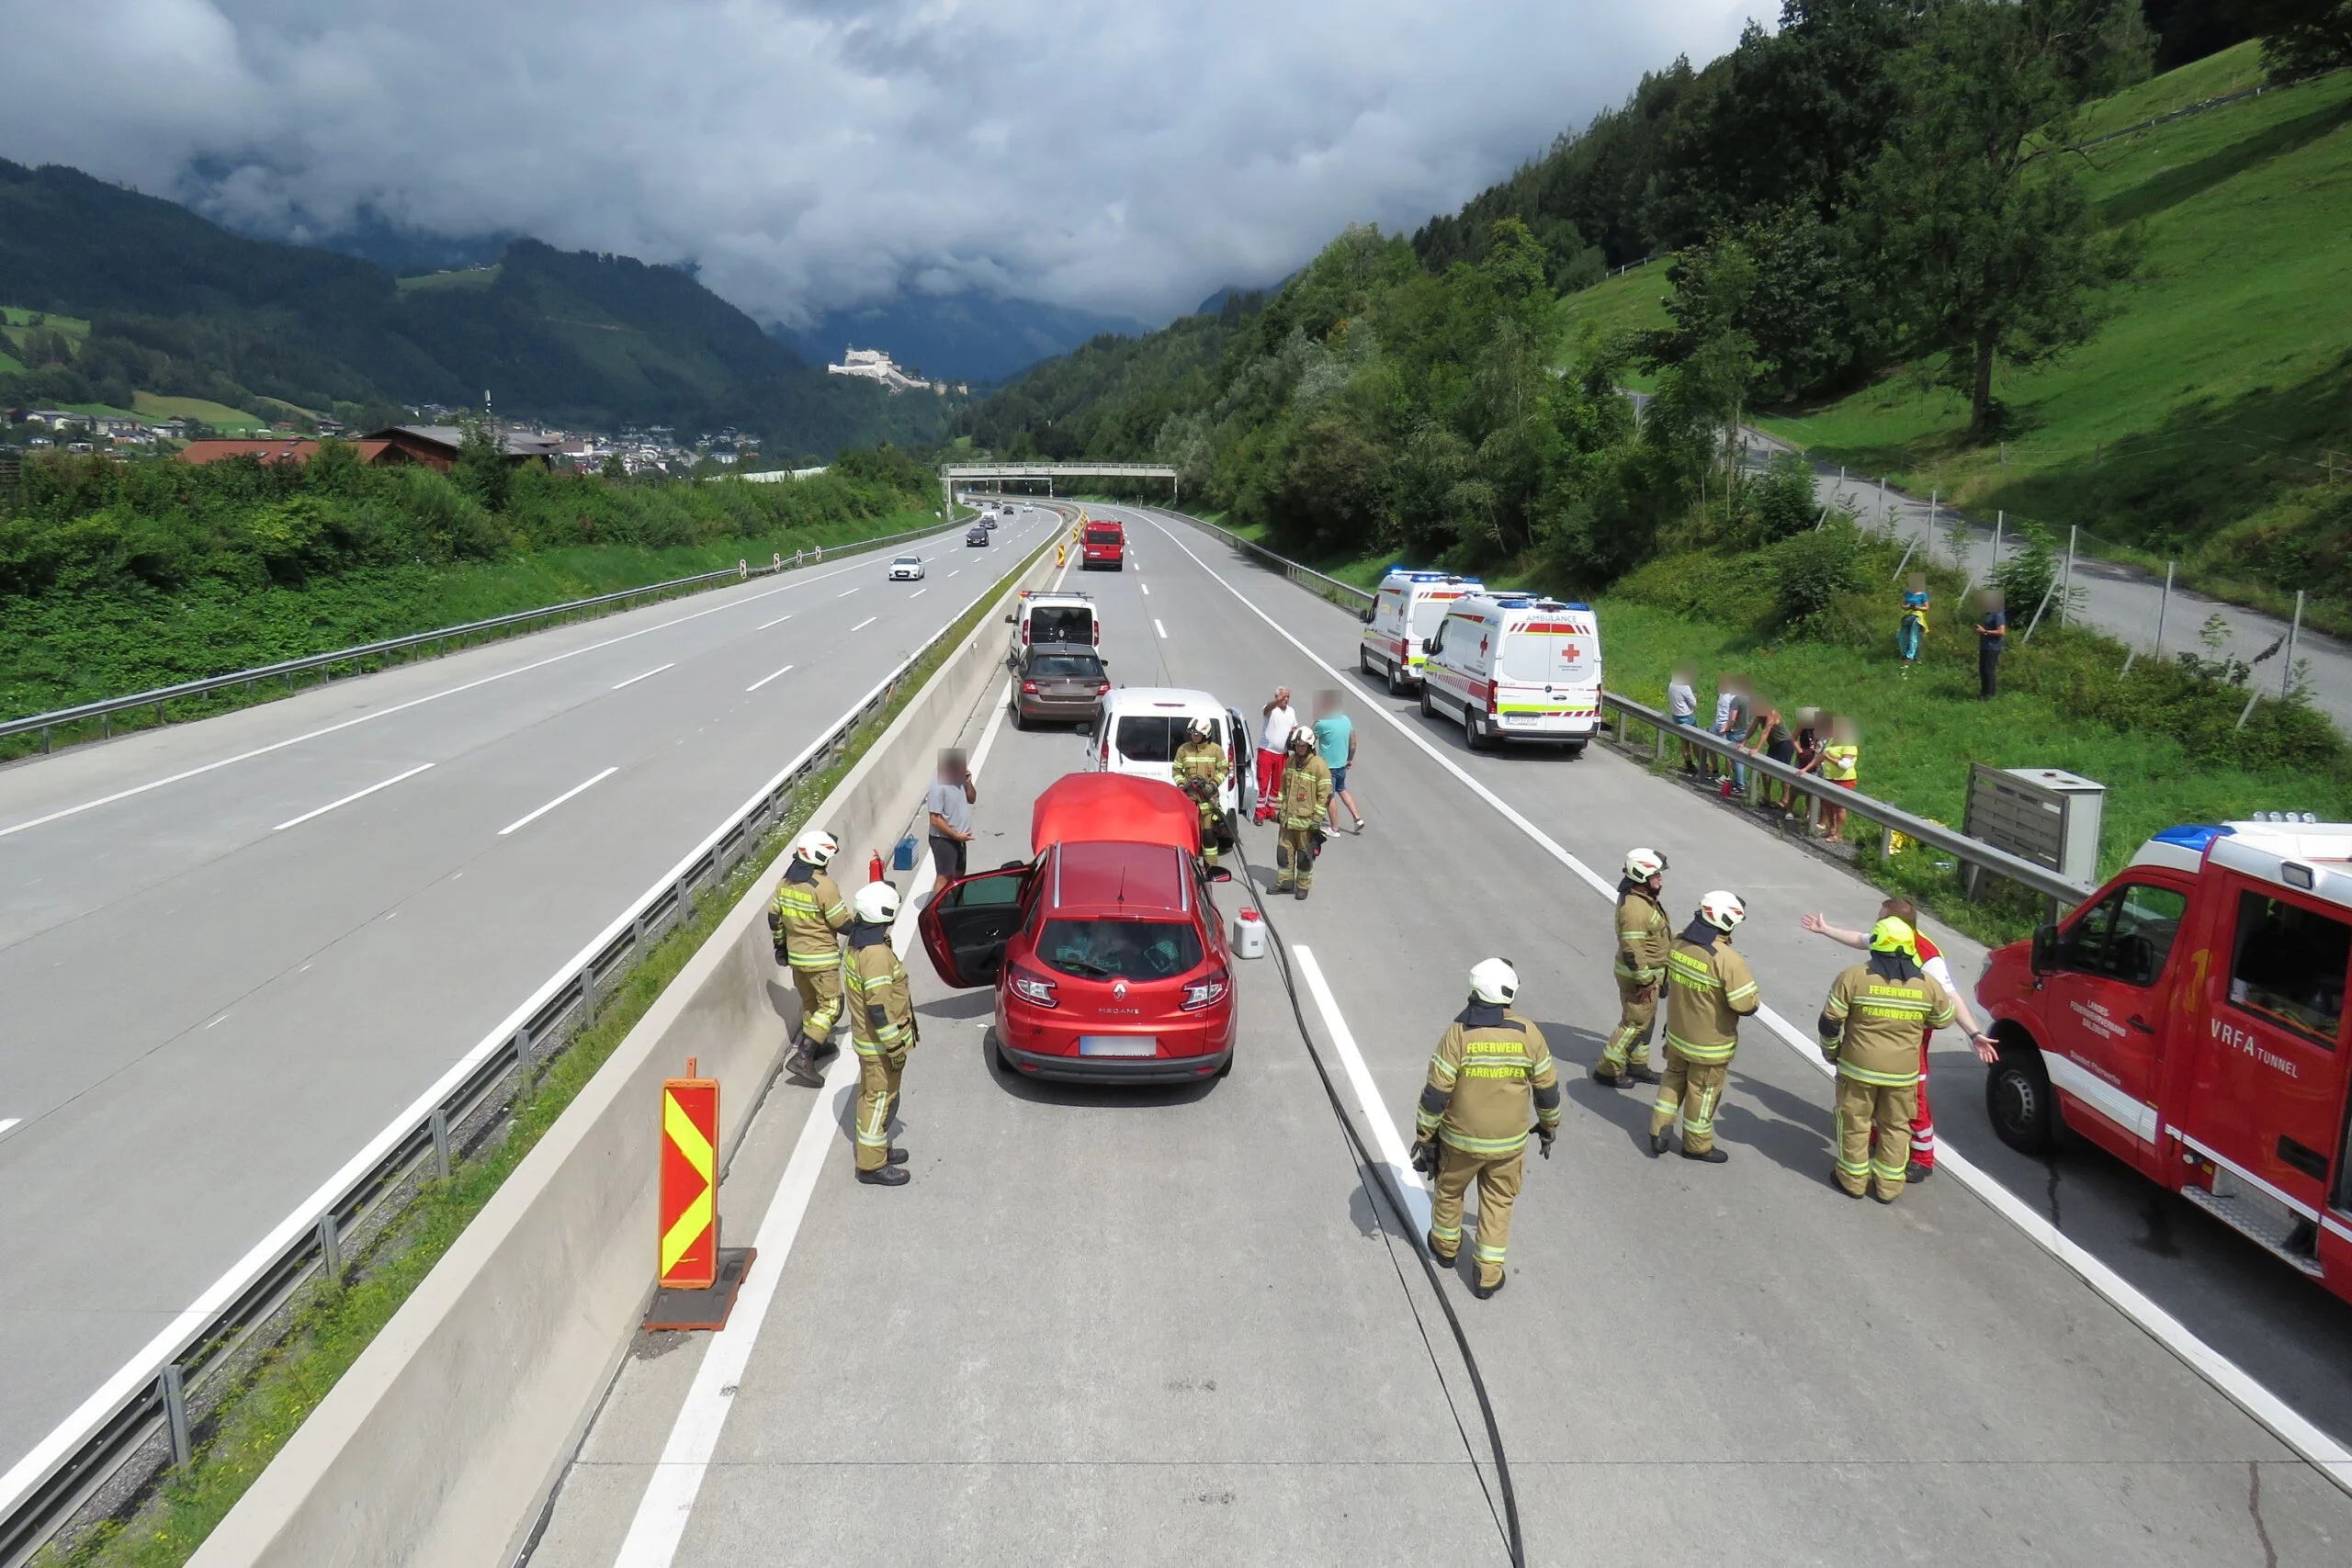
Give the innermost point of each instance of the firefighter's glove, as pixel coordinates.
(783, 955)
(1425, 1155)
(1543, 1136)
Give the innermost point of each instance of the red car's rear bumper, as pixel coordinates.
(1043, 1043)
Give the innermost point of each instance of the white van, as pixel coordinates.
(1143, 726)
(1513, 666)
(1407, 609)
(1039, 618)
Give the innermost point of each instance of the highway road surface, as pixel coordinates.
(233, 951)
(1174, 1326)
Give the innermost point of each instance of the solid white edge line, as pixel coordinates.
(2323, 1453)
(354, 794)
(558, 800)
(403, 707)
(173, 1337)
(655, 671)
(667, 1504)
(765, 679)
(1384, 1135)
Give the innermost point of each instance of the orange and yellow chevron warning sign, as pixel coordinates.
(689, 1206)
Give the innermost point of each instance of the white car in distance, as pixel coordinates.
(906, 568)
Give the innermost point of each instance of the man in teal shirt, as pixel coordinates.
(1335, 742)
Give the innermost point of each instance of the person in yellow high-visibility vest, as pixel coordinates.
(881, 1031)
(1709, 990)
(806, 919)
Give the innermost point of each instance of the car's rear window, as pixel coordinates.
(1065, 665)
(1127, 950)
(1104, 536)
(1061, 623)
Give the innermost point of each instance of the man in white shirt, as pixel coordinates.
(1276, 720)
(1682, 706)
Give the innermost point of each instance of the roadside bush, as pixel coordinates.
(1782, 500)
(1813, 572)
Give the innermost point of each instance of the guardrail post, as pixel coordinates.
(1659, 731)
(44, 741)
(439, 1123)
(1812, 816)
(175, 1390)
(1886, 840)
(524, 1052)
(105, 727)
(330, 1247)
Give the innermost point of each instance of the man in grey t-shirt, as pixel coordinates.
(949, 808)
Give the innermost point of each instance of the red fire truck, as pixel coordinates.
(2189, 1020)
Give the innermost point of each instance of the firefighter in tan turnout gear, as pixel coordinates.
(1871, 1028)
(881, 1031)
(1492, 1076)
(1709, 990)
(806, 918)
(1199, 773)
(1643, 943)
(1306, 806)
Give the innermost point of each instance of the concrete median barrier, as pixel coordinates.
(441, 1443)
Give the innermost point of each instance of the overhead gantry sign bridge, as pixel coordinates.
(953, 474)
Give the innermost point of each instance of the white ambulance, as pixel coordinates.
(1407, 609)
(1514, 667)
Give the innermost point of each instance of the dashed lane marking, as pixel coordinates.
(1158, 627)
(655, 671)
(354, 794)
(558, 800)
(765, 679)
(865, 622)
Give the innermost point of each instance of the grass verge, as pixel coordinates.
(332, 1323)
(57, 650)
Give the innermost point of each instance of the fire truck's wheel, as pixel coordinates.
(2019, 1099)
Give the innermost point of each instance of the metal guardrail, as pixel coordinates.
(151, 1397)
(1891, 819)
(286, 670)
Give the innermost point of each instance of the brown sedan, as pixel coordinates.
(1059, 680)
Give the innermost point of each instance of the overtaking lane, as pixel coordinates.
(235, 1010)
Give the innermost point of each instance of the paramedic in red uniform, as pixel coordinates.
(1923, 1126)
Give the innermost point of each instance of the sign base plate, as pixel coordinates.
(701, 1310)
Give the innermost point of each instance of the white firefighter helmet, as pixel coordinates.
(877, 904)
(1493, 980)
(1641, 864)
(1201, 729)
(1721, 910)
(815, 846)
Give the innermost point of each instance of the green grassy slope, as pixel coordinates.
(2198, 423)
(1631, 302)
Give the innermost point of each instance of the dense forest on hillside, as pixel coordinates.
(179, 307)
(1873, 191)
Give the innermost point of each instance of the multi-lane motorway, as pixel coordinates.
(232, 951)
(1174, 1327)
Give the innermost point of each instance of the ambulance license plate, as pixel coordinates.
(1118, 1046)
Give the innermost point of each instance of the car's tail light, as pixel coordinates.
(1102, 687)
(1034, 988)
(1029, 688)
(1206, 991)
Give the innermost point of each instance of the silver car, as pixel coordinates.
(906, 568)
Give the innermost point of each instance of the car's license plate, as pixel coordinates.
(1118, 1046)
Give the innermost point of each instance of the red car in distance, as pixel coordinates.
(1107, 952)
(1103, 543)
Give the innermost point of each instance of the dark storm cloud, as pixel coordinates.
(1127, 157)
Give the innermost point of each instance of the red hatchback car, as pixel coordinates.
(1106, 951)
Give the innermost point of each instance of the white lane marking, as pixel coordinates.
(397, 708)
(1158, 627)
(558, 800)
(668, 1502)
(845, 594)
(1384, 1135)
(2325, 1454)
(655, 671)
(953, 573)
(221, 1019)
(865, 622)
(765, 679)
(9, 1122)
(917, 594)
(1145, 589)
(778, 622)
(354, 794)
